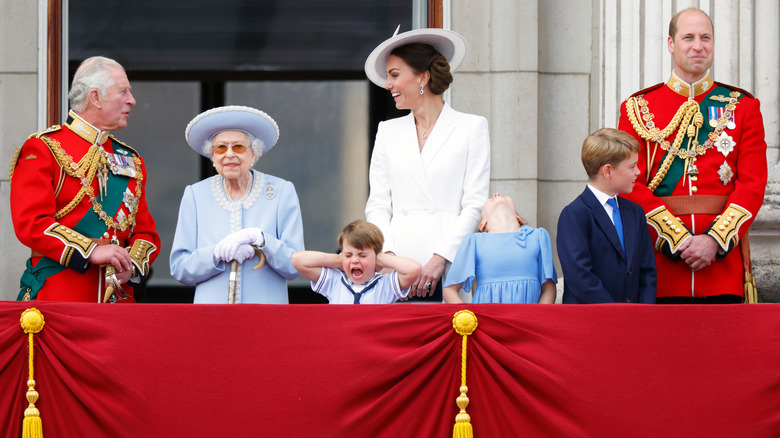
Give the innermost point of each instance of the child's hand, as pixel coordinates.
(381, 262)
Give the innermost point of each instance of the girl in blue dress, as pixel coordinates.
(509, 261)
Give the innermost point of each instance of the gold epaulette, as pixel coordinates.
(726, 226)
(50, 129)
(645, 90)
(73, 240)
(140, 252)
(670, 229)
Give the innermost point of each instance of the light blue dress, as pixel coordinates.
(207, 215)
(508, 267)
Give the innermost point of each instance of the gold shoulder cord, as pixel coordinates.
(689, 111)
(689, 119)
(13, 163)
(84, 169)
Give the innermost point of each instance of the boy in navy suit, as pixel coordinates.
(603, 242)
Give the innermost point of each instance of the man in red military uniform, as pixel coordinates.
(703, 171)
(78, 198)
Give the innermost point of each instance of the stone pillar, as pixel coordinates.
(499, 79)
(19, 116)
(759, 63)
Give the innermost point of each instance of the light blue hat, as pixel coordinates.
(231, 118)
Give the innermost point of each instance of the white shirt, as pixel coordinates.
(603, 198)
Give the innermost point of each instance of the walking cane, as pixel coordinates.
(234, 274)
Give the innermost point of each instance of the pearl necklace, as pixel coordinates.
(246, 191)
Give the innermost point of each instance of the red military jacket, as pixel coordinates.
(708, 179)
(74, 187)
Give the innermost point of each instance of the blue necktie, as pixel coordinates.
(618, 221)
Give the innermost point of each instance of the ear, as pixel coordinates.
(94, 98)
(424, 77)
(670, 44)
(483, 225)
(606, 171)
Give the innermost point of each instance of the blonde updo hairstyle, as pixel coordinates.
(423, 57)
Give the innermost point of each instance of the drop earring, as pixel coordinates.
(421, 89)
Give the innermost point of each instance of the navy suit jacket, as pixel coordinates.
(595, 268)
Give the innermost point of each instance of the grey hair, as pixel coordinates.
(255, 143)
(93, 73)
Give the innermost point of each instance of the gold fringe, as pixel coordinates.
(751, 293)
(32, 426)
(464, 322)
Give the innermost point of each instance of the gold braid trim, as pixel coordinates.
(85, 171)
(13, 164)
(668, 227)
(140, 252)
(72, 239)
(687, 116)
(689, 119)
(53, 128)
(726, 226)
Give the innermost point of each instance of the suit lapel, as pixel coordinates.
(410, 149)
(442, 130)
(603, 220)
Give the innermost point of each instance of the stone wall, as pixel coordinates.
(18, 118)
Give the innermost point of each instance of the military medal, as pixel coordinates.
(725, 144)
(122, 165)
(131, 202)
(725, 173)
(713, 116)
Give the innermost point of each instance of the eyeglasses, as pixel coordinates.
(223, 148)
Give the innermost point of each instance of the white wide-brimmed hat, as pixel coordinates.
(448, 43)
(231, 118)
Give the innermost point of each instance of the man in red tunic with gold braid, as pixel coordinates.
(78, 199)
(703, 171)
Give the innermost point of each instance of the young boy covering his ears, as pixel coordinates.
(352, 277)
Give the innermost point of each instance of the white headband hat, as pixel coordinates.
(231, 118)
(448, 43)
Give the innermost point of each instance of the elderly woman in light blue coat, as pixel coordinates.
(240, 215)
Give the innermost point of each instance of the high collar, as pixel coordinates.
(85, 130)
(683, 88)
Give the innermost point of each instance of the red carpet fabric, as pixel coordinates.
(182, 370)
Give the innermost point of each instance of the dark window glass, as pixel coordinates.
(234, 35)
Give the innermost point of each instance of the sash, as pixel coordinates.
(676, 170)
(33, 278)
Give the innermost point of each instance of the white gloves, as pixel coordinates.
(238, 246)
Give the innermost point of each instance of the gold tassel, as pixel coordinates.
(751, 293)
(464, 322)
(32, 426)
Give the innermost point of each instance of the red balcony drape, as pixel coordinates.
(160, 370)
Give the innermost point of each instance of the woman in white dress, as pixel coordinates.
(240, 215)
(430, 170)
